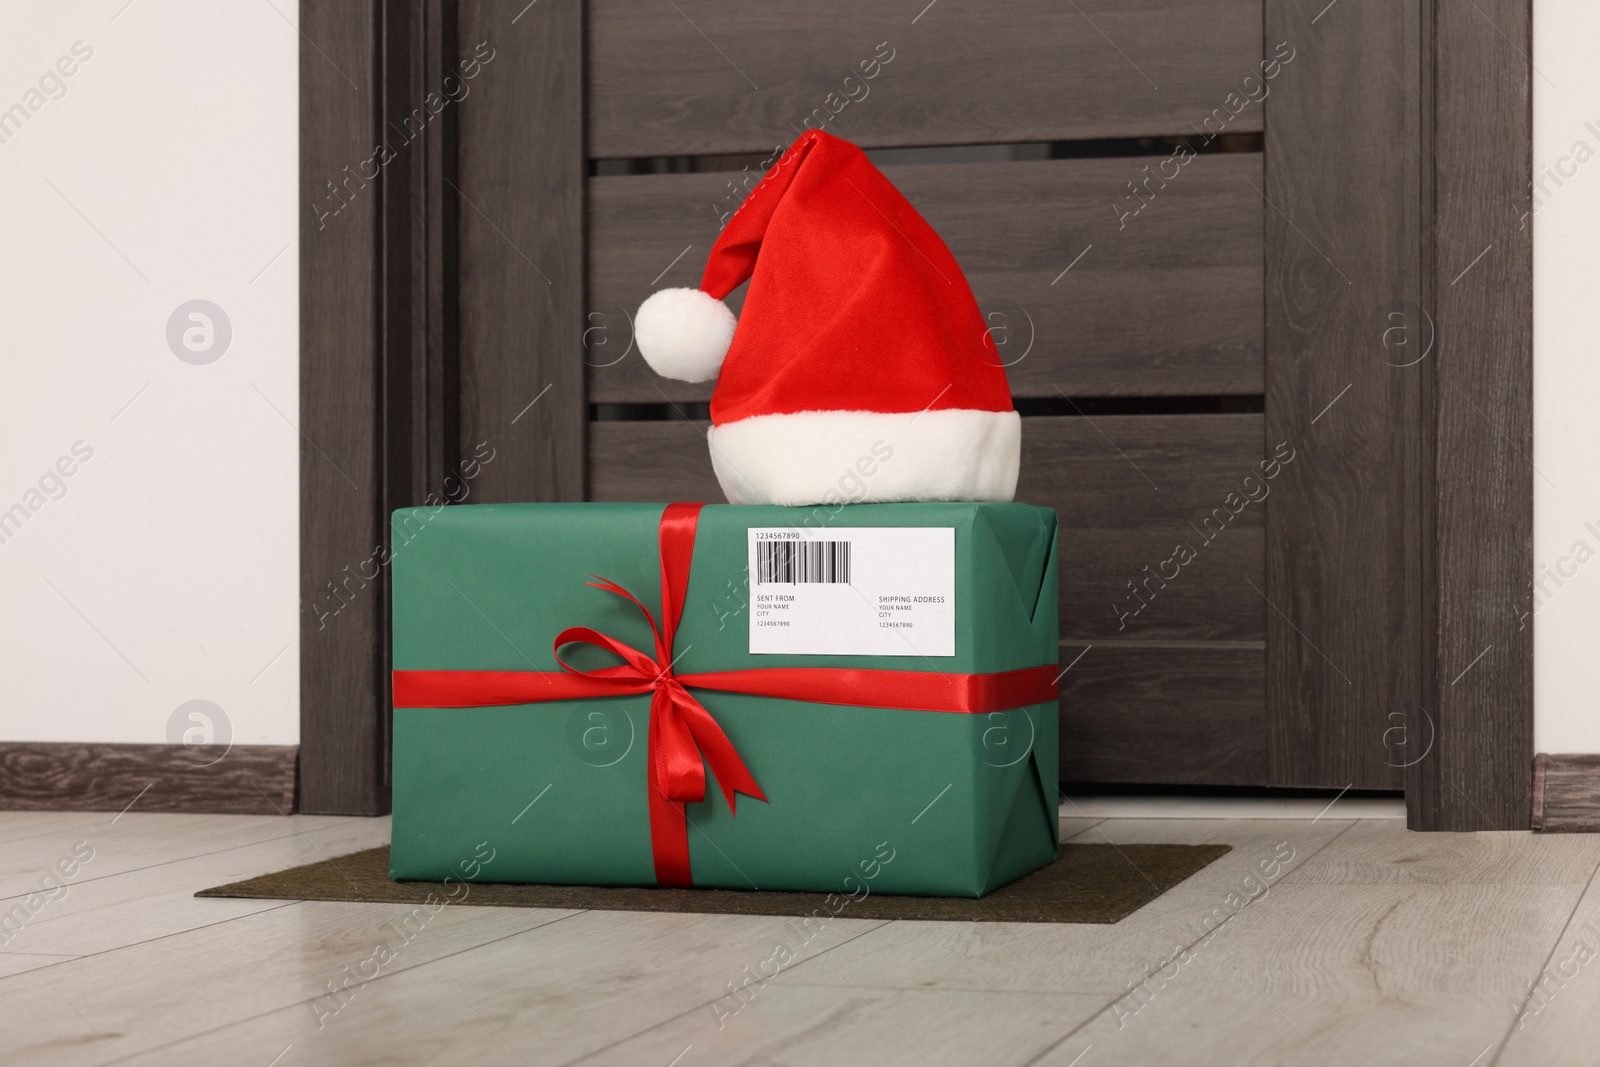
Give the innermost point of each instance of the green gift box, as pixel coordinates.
(878, 680)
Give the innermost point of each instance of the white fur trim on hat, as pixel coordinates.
(828, 457)
(684, 333)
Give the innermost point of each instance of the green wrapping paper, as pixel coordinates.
(859, 799)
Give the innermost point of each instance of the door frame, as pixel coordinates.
(1478, 279)
(381, 371)
(378, 422)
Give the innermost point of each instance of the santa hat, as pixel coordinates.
(862, 368)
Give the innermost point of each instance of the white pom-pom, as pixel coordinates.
(684, 333)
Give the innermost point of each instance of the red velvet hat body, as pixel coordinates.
(860, 368)
(855, 303)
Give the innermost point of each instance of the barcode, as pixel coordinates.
(789, 562)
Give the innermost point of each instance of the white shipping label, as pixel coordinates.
(862, 591)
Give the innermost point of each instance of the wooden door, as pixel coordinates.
(1203, 232)
(1118, 244)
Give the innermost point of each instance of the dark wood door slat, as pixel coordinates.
(1343, 559)
(1114, 584)
(1114, 524)
(721, 76)
(1166, 302)
(1131, 490)
(1133, 470)
(522, 254)
(1166, 715)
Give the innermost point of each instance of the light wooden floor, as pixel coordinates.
(1371, 946)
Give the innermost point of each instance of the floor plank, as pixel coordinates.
(1393, 974)
(1373, 853)
(163, 990)
(1560, 1013)
(552, 994)
(1020, 957)
(117, 844)
(1071, 826)
(101, 914)
(1214, 809)
(15, 825)
(1156, 831)
(800, 1026)
(1314, 941)
(18, 962)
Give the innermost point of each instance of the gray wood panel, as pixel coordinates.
(716, 76)
(1482, 261)
(1114, 524)
(521, 259)
(1165, 302)
(1164, 714)
(1344, 573)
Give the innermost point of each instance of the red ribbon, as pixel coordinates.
(682, 731)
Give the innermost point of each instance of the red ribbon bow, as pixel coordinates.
(681, 729)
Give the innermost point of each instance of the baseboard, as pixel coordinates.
(70, 776)
(1566, 793)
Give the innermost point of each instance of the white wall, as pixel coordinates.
(167, 173)
(164, 571)
(1566, 441)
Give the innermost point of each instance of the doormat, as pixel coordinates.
(1087, 884)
